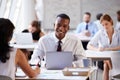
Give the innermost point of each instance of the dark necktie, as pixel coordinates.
(59, 48)
(86, 27)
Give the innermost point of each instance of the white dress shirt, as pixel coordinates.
(117, 27)
(101, 39)
(92, 28)
(99, 25)
(49, 42)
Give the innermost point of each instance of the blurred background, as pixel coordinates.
(23, 12)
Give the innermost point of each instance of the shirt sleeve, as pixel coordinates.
(38, 52)
(119, 37)
(95, 30)
(78, 29)
(79, 51)
(95, 40)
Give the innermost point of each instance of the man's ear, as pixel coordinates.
(54, 25)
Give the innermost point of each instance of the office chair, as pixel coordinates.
(115, 72)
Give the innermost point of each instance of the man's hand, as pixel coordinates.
(101, 49)
(87, 33)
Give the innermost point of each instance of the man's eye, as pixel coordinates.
(58, 25)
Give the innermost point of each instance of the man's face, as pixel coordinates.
(61, 27)
(86, 18)
(118, 18)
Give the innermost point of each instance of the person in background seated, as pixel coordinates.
(99, 26)
(87, 28)
(118, 21)
(97, 22)
(107, 39)
(59, 37)
(10, 57)
(35, 29)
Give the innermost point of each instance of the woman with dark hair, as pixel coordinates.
(107, 39)
(10, 57)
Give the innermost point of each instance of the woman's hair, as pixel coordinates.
(107, 18)
(37, 25)
(6, 32)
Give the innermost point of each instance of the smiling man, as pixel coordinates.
(59, 38)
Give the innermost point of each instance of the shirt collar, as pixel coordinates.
(105, 32)
(56, 39)
(87, 23)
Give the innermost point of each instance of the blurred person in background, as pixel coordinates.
(97, 22)
(35, 29)
(118, 21)
(87, 28)
(107, 39)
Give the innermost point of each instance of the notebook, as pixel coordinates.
(24, 38)
(58, 60)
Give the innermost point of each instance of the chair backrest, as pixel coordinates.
(2, 77)
(115, 58)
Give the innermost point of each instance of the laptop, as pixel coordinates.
(24, 38)
(58, 60)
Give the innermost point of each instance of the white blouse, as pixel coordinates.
(101, 39)
(8, 68)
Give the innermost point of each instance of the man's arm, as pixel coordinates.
(38, 53)
(79, 50)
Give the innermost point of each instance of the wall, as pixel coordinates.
(54, 7)
(100, 6)
(76, 8)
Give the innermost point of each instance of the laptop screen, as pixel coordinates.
(58, 60)
(24, 38)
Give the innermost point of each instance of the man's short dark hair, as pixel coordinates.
(118, 12)
(88, 13)
(64, 16)
(98, 16)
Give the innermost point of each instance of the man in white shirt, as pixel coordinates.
(50, 41)
(87, 28)
(118, 21)
(97, 22)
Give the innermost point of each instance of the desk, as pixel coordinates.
(57, 74)
(113, 56)
(83, 38)
(97, 55)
